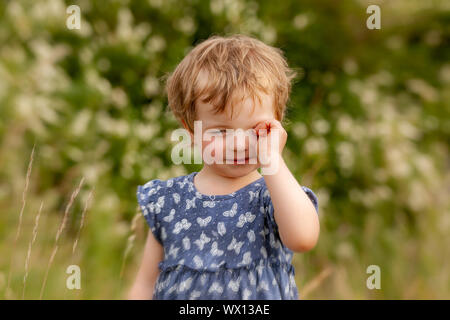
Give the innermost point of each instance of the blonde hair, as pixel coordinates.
(231, 63)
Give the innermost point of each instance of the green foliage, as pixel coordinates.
(368, 126)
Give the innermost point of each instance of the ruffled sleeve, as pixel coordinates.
(268, 206)
(312, 197)
(151, 197)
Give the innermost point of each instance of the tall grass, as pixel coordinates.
(19, 225)
(131, 239)
(33, 239)
(83, 217)
(58, 234)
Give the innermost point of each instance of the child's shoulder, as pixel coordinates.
(168, 183)
(157, 189)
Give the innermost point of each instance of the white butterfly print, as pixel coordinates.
(169, 183)
(235, 245)
(292, 280)
(183, 183)
(185, 285)
(253, 195)
(163, 233)
(173, 251)
(202, 241)
(262, 209)
(204, 222)
(264, 232)
(172, 289)
(259, 269)
(286, 290)
(198, 261)
(215, 265)
(190, 203)
(244, 218)
(251, 236)
(215, 287)
(203, 279)
(234, 285)
(176, 197)
(198, 195)
(274, 282)
(190, 187)
(209, 204)
(251, 278)
(195, 295)
(246, 259)
(288, 256)
(262, 286)
(165, 283)
(156, 207)
(221, 228)
(246, 295)
(152, 191)
(274, 243)
(232, 212)
(215, 251)
(263, 252)
(266, 193)
(183, 224)
(170, 217)
(148, 184)
(186, 243)
(142, 196)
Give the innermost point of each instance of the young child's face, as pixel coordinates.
(246, 115)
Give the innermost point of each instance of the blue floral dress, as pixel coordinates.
(217, 247)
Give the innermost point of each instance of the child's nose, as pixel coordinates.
(241, 140)
(240, 143)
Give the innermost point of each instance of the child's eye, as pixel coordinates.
(220, 131)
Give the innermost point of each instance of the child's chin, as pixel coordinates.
(237, 170)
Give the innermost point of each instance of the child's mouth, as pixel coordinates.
(237, 161)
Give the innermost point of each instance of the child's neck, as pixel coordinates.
(209, 182)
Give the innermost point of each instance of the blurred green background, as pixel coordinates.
(368, 125)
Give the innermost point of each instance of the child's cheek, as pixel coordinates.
(217, 146)
(210, 143)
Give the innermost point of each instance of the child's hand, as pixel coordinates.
(268, 132)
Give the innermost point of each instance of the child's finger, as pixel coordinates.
(268, 125)
(275, 124)
(261, 126)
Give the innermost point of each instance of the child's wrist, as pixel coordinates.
(273, 166)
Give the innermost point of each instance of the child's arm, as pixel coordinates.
(294, 212)
(144, 284)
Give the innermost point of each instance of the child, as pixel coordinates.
(227, 232)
